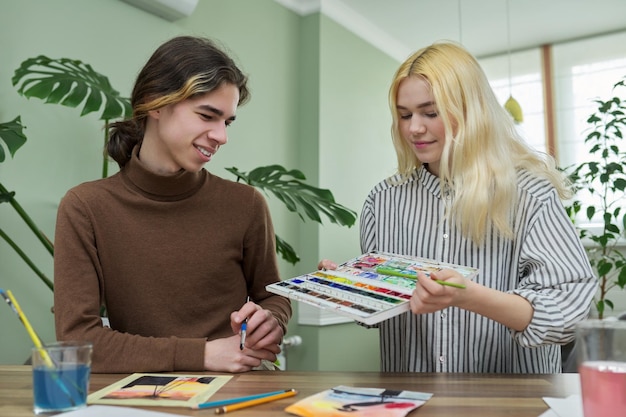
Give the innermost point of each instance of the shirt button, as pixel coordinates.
(443, 315)
(445, 235)
(442, 359)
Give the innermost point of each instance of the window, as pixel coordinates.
(525, 85)
(583, 70)
(579, 79)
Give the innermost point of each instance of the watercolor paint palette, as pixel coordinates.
(369, 288)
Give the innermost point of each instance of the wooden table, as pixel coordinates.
(466, 395)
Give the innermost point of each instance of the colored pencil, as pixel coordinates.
(251, 403)
(230, 401)
(395, 273)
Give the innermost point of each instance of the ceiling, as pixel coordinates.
(399, 27)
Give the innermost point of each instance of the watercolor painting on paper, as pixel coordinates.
(160, 390)
(343, 401)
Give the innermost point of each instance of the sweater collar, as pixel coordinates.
(161, 187)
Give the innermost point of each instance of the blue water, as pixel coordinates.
(60, 389)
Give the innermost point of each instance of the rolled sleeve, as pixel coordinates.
(556, 277)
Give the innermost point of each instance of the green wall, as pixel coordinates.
(318, 104)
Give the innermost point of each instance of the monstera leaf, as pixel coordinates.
(298, 196)
(70, 82)
(286, 251)
(12, 135)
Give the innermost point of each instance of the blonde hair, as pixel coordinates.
(482, 151)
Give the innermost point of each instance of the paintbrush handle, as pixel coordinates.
(391, 271)
(29, 329)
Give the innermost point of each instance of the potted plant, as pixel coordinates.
(73, 83)
(602, 179)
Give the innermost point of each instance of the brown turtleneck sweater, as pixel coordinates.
(171, 257)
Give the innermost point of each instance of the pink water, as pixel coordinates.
(603, 388)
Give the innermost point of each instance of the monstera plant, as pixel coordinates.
(62, 81)
(73, 83)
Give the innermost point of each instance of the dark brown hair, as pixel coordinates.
(181, 68)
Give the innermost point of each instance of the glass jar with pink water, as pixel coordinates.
(601, 346)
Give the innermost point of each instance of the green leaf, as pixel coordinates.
(75, 96)
(604, 106)
(70, 82)
(611, 166)
(93, 103)
(619, 184)
(298, 196)
(604, 178)
(285, 250)
(594, 148)
(621, 277)
(604, 268)
(612, 228)
(307, 201)
(593, 119)
(12, 135)
(311, 210)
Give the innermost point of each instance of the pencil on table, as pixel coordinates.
(220, 403)
(251, 403)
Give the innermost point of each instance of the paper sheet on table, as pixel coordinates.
(571, 406)
(114, 411)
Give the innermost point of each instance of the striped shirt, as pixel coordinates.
(545, 263)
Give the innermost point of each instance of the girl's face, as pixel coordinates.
(186, 135)
(419, 122)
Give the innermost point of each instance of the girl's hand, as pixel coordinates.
(430, 296)
(326, 264)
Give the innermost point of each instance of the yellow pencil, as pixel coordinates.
(245, 404)
(29, 329)
(15, 306)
